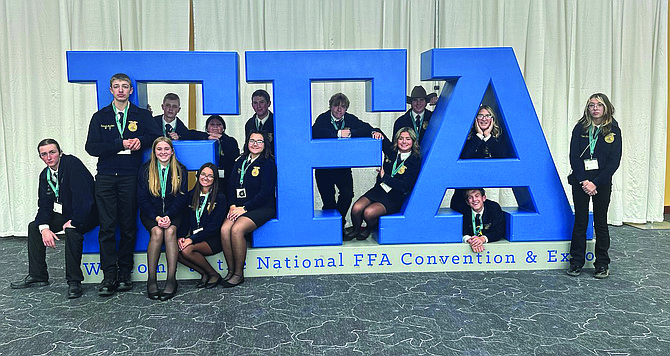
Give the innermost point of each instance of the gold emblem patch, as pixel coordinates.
(256, 171)
(132, 126)
(402, 170)
(425, 125)
(610, 137)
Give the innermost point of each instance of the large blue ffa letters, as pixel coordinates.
(473, 76)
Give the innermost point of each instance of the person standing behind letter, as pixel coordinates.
(116, 135)
(337, 123)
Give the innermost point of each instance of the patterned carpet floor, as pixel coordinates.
(474, 313)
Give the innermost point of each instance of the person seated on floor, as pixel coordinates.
(65, 203)
(162, 185)
(396, 179)
(485, 221)
(207, 209)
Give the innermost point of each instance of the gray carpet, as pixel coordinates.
(475, 313)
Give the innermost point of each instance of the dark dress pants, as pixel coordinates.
(327, 180)
(116, 197)
(74, 243)
(601, 202)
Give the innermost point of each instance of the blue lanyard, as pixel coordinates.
(593, 139)
(243, 170)
(56, 187)
(163, 177)
(200, 209)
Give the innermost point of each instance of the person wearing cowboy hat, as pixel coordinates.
(418, 116)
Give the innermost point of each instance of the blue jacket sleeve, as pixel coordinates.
(143, 194)
(45, 202)
(81, 187)
(180, 201)
(95, 145)
(611, 163)
(268, 185)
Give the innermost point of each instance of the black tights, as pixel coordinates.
(193, 256)
(235, 246)
(364, 209)
(158, 236)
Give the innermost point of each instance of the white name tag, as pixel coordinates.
(124, 152)
(58, 208)
(222, 173)
(241, 193)
(197, 230)
(590, 164)
(386, 187)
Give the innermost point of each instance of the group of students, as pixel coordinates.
(235, 197)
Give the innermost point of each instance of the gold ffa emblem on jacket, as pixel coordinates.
(425, 125)
(132, 126)
(256, 171)
(402, 170)
(610, 137)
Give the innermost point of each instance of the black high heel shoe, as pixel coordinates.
(167, 296)
(202, 283)
(155, 295)
(227, 284)
(214, 284)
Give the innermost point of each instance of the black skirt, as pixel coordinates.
(391, 202)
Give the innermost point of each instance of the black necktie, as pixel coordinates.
(202, 200)
(54, 178)
(260, 125)
(418, 123)
(478, 221)
(120, 117)
(168, 128)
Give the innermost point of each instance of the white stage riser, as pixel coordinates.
(369, 257)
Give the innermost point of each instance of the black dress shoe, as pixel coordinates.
(28, 282)
(74, 290)
(350, 235)
(212, 285)
(107, 288)
(201, 283)
(363, 235)
(227, 284)
(166, 296)
(124, 283)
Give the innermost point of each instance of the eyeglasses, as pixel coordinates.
(208, 176)
(256, 142)
(598, 105)
(487, 116)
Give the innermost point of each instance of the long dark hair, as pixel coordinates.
(213, 191)
(267, 151)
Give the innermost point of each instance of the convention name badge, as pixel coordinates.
(58, 208)
(197, 230)
(241, 193)
(591, 164)
(124, 152)
(222, 173)
(385, 187)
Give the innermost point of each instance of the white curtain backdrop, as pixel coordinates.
(567, 50)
